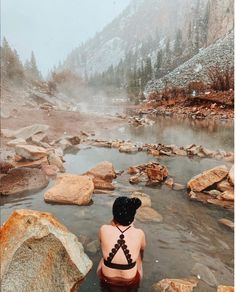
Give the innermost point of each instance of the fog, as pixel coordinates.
(53, 28)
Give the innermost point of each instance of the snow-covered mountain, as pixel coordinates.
(202, 21)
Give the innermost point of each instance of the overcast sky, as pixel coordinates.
(52, 28)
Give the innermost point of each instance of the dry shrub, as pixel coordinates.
(198, 86)
(221, 79)
(168, 93)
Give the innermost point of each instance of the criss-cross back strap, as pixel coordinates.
(120, 244)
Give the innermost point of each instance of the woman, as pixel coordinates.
(122, 246)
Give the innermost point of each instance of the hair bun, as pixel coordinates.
(136, 202)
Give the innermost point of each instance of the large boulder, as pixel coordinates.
(70, 189)
(21, 180)
(208, 178)
(173, 285)
(26, 132)
(31, 152)
(102, 175)
(38, 253)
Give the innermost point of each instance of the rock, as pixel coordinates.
(221, 203)
(169, 182)
(133, 170)
(64, 144)
(228, 195)
(18, 141)
(207, 178)
(50, 170)
(31, 164)
(38, 253)
(154, 152)
(173, 285)
(205, 274)
(21, 180)
(71, 189)
(102, 175)
(54, 159)
(214, 193)
(225, 288)
(74, 140)
(93, 246)
(18, 158)
(156, 172)
(145, 199)
(178, 187)
(135, 179)
(180, 152)
(5, 166)
(147, 214)
(227, 223)
(25, 132)
(128, 148)
(231, 175)
(115, 144)
(31, 152)
(224, 185)
(39, 138)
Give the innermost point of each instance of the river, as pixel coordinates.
(190, 232)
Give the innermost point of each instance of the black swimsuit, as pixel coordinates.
(120, 243)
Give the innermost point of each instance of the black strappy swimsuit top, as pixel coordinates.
(120, 244)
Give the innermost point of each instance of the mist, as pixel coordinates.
(53, 28)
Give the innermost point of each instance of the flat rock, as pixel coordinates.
(38, 253)
(174, 285)
(71, 189)
(21, 180)
(128, 148)
(225, 288)
(37, 139)
(30, 163)
(50, 170)
(227, 222)
(207, 178)
(102, 175)
(18, 141)
(147, 214)
(180, 152)
(145, 199)
(31, 152)
(205, 274)
(231, 175)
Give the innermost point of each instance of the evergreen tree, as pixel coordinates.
(158, 63)
(178, 49)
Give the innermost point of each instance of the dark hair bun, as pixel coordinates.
(136, 202)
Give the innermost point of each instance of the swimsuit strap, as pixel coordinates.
(120, 244)
(124, 230)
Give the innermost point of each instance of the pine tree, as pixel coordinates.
(158, 63)
(178, 49)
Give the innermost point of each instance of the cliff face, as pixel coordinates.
(221, 19)
(206, 20)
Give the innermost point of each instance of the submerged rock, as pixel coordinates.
(31, 152)
(147, 214)
(145, 199)
(207, 178)
(102, 175)
(38, 253)
(21, 180)
(174, 285)
(71, 189)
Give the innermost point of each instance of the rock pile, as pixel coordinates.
(168, 150)
(213, 186)
(38, 253)
(152, 173)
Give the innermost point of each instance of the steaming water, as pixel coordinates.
(190, 232)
